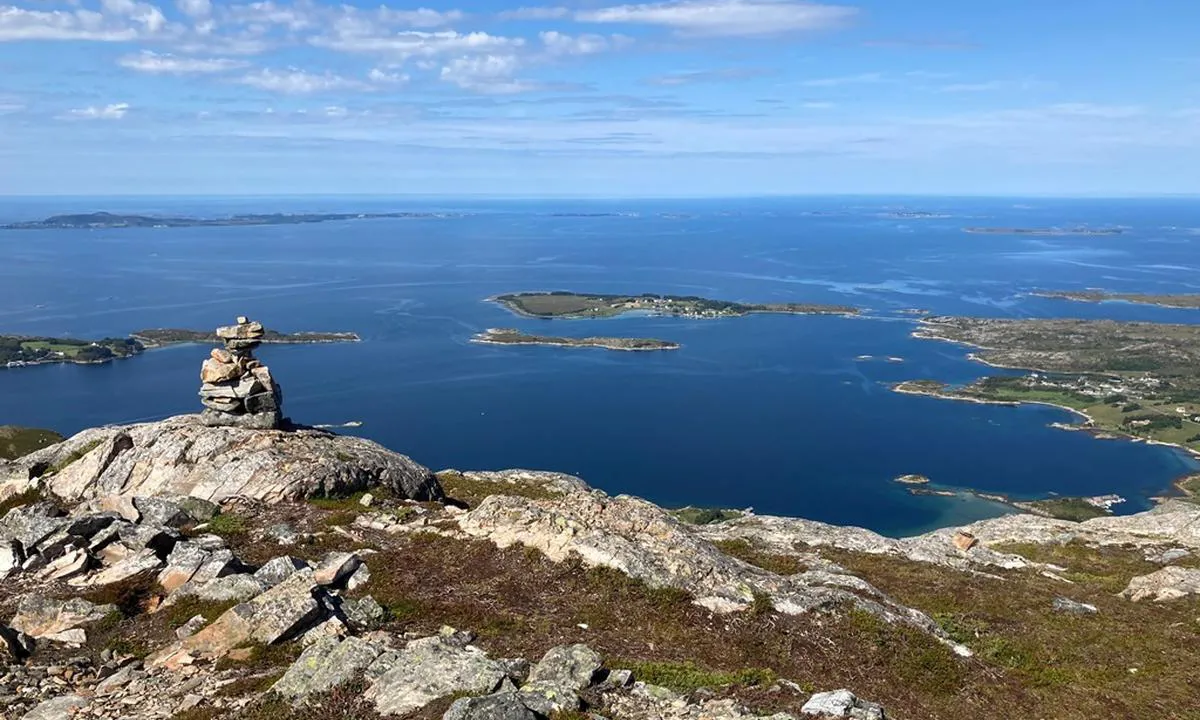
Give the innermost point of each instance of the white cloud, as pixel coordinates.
(336, 111)
(195, 8)
(9, 107)
(1107, 112)
(557, 43)
(818, 105)
(145, 14)
(116, 111)
(269, 13)
(19, 24)
(298, 82)
(535, 13)
(844, 80)
(491, 74)
(416, 43)
(420, 18)
(381, 76)
(726, 17)
(154, 63)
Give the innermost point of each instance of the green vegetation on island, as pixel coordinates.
(1184, 300)
(1066, 508)
(563, 304)
(1043, 232)
(1135, 379)
(508, 336)
(105, 220)
(17, 441)
(22, 350)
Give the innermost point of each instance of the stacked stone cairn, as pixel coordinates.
(236, 388)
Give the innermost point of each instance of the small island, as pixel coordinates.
(1044, 232)
(912, 480)
(562, 304)
(24, 350)
(1183, 300)
(508, 336)
(105, 220)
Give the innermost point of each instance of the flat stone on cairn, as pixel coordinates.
(236, 389)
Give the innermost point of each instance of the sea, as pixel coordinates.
(788, 415)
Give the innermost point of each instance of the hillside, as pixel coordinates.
(177, 570)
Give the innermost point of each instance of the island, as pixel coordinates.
(509, 336)
(1129, 379)
(1189, 301)
(915, 215)
(563, 304)
(106, 220)
(24, 350)
(912, 480)
(1050, 231)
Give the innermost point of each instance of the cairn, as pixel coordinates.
(236, 388)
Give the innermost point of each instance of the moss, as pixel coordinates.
(28, 497)
(178, 613)
(261, 658)
(705, 516)
(778, 564)
(227, 525)
(472, 491)
(687, 676)
(67, 460)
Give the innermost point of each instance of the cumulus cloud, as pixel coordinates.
(726, 18)
(558, 44)
(381, 76)
(293, 81)
(487, 74)
(115, 111)
(19, 24)
(166, 64)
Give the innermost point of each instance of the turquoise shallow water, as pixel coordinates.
(774, 412)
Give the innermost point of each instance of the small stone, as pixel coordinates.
(366, 500)
(1067, 605)
(279, 569)
(191, 627)
(283, 534)
(336, 568)
(215, 371)
(221, 356)
(842, 704)
(964, 540)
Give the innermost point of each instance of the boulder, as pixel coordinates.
(324, 665)
(501, 706)
(336, 568)
(216, 371)
(238, 587)
(184, 456)
(31, 524)
(559, 676)
(279, 569)
(842, 704)
(59, 708)
(273, 616)
(39, 616)
(363, 613)
(183, 562)
(430, 668)
(139, 562)
(160, 511)
(1167, 584)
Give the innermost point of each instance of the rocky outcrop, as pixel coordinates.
(842, 704)
(646, 542)
(181, 456)
(1169, 583)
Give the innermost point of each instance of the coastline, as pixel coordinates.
(488, 338)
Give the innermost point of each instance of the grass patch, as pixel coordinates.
(1074, 509)
(472, 491)
(228, 525)
(705, 516)
(186, 608)
(28, 497)
(131, 595)
(778, 564)
(17, 441)
(78, 453)
(685, 677)
(262, 658)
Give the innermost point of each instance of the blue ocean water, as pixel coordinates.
(773, 412)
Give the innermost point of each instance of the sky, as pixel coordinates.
(597, 98)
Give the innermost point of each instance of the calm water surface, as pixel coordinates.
(773, 412)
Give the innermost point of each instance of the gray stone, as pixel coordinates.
(246, 421)
(428, 669)
(360, 577)
(572, 667)
(63, 707)
(139, 562)
(262, 402)
(279, 569)
(200, 509)
(159, 511)
(283, 534)
(363, 613)
(324, 665)
(842, 704)
(157, 538)
(501, 706)
(1169, 583)
(219, 563)
(226, 588)
(336, 568)
(31, 524)
(183, 562)
(183, 456)
(1073, 607)
(39, 616)
(191, 627)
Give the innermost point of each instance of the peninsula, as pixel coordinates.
(508, 336)
(1050, 232)
(1183, 300)
(22, 350)
(1133, 379)
(561, 304)
(105, 220)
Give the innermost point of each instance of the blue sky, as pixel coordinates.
(598, 98)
